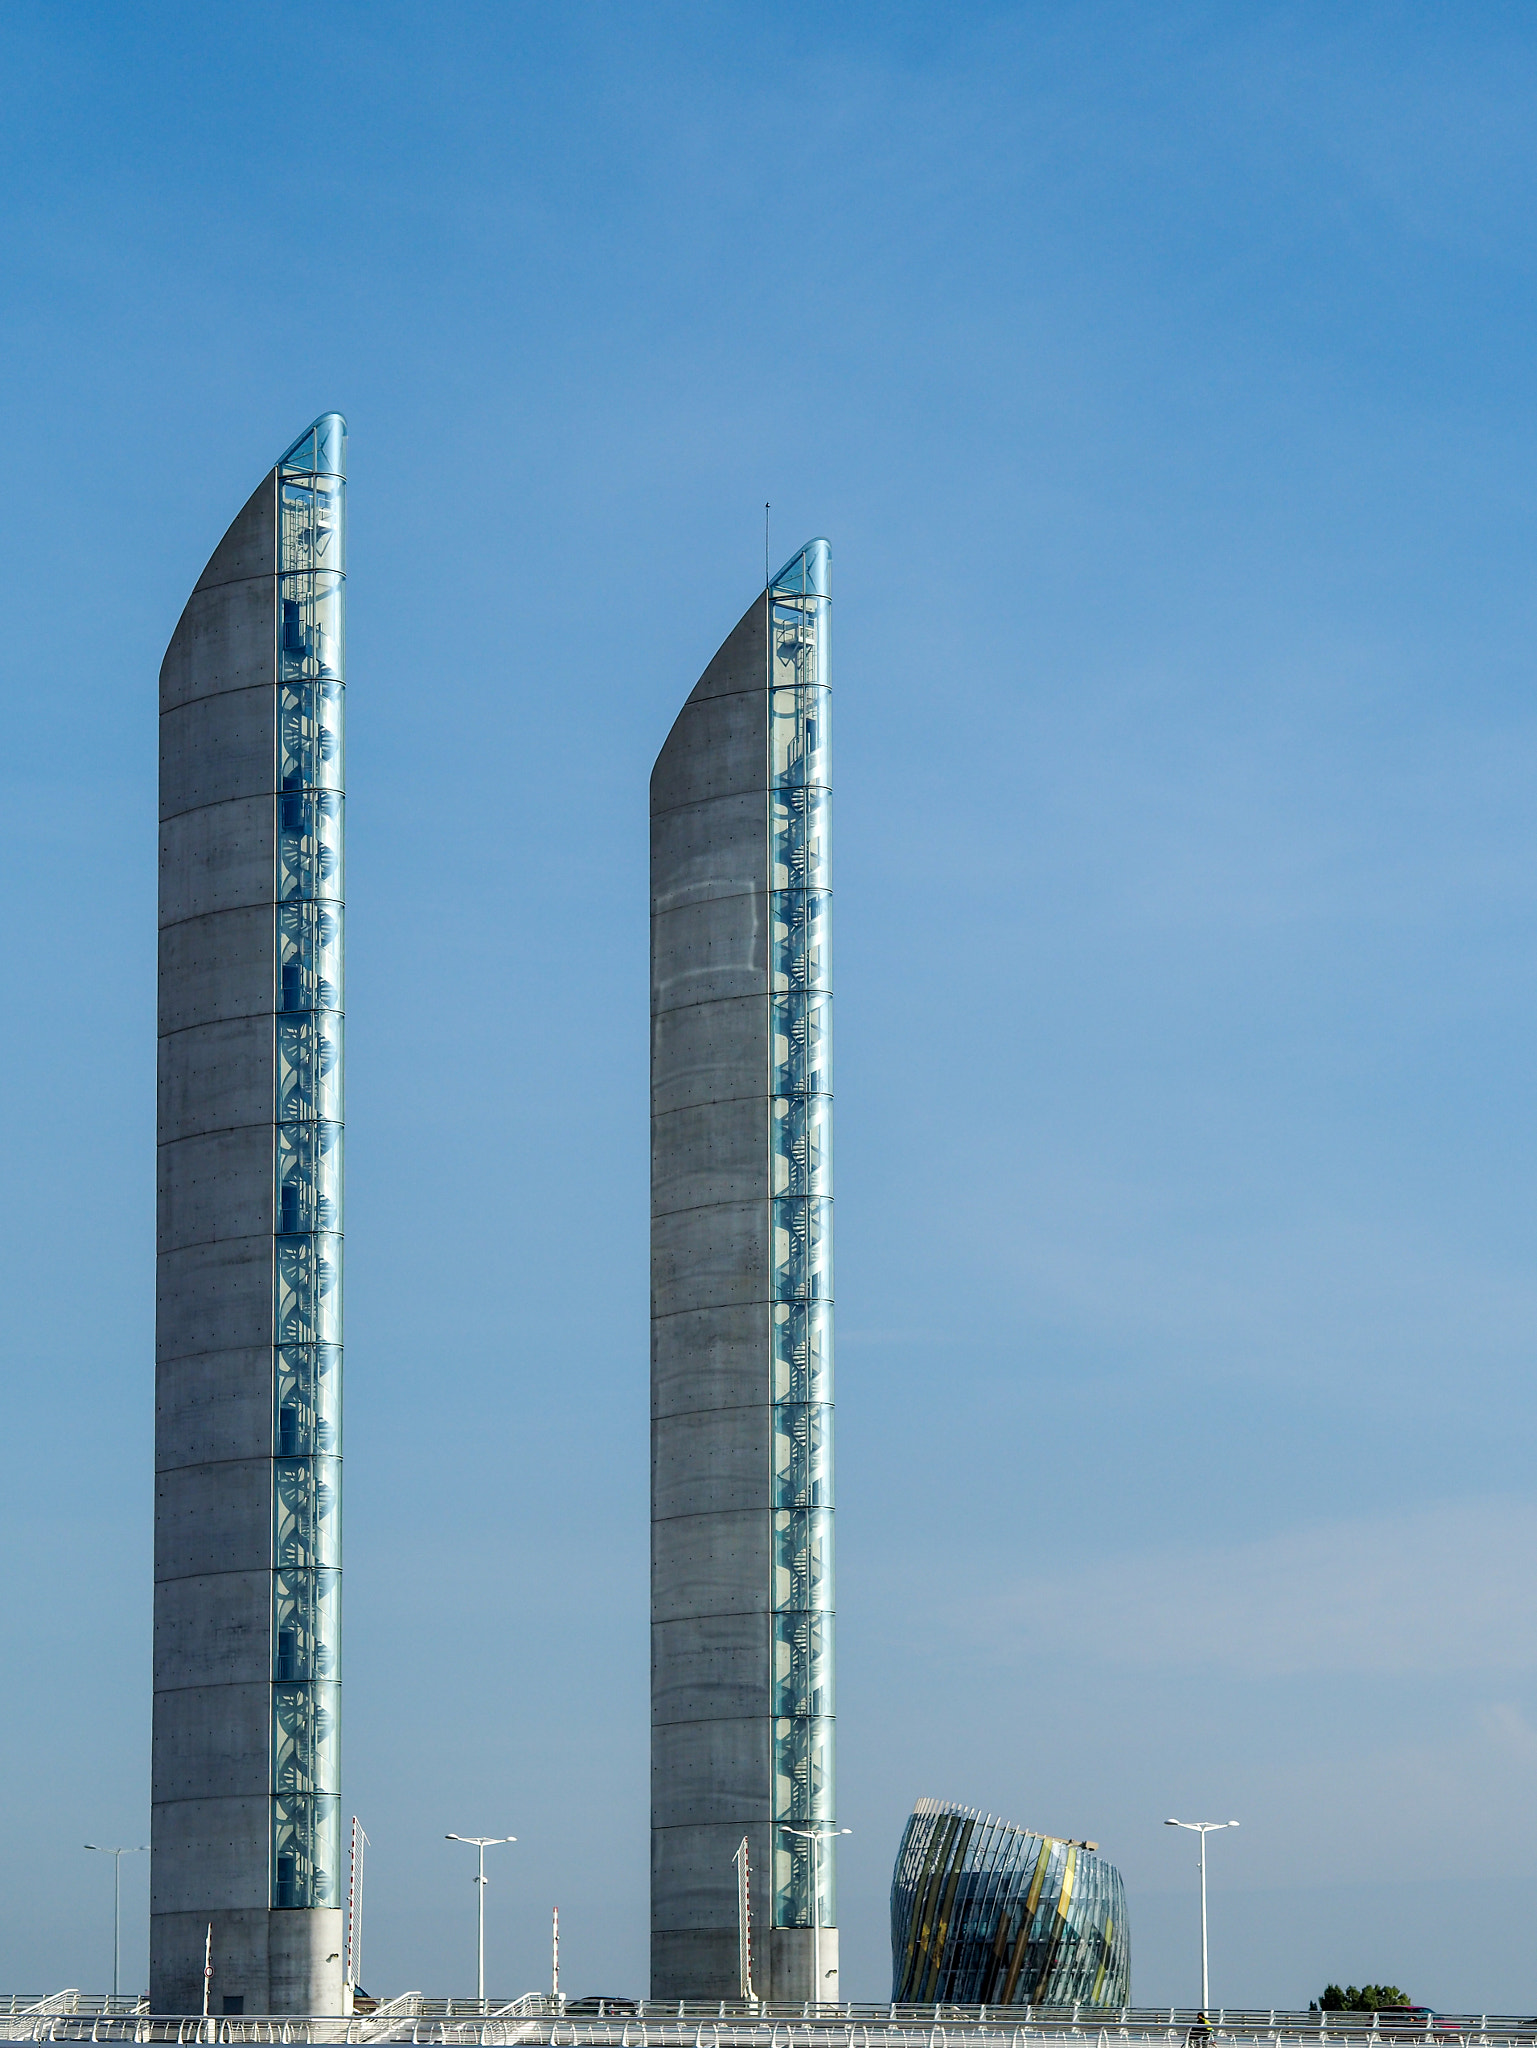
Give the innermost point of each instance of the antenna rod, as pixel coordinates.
(767, 572)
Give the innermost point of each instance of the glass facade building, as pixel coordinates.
(985, 1913)
(246, 1790)
(742, 1300)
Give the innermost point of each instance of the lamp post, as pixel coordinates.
(815, 1837)
(117, 1855)
(1203, 1828)
(480, 1844)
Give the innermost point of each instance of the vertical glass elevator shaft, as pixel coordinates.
(800, 1144)
(307, 1266)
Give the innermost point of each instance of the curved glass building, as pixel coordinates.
(741, 1309)
(984, 1913)
(246, 1823)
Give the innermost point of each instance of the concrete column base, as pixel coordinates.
(273, 1962)
(790, 1966)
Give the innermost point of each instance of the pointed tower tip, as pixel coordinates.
(808, 573)
(321, 450)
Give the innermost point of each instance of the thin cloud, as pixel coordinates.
(1446, 1587)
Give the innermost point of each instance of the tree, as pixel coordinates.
(1360, 1998)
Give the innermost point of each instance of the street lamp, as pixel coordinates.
(815, 1837)
(481, 1843)
(1203, 1828)
(117, 1855)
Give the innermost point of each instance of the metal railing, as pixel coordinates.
(535, 2021)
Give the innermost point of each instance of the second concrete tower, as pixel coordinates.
(741, 1306)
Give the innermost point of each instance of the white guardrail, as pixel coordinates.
(538, 2022)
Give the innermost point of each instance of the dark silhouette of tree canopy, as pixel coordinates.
(1360, 1998)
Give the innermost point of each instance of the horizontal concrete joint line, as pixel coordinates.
(220, 803)
(717, 1721)
(171, 924)
(705, 1308)
(699, 1208)
(727, 1408)
(704, 1003)
(229, 582)
(255, 1123)
(714, 1515)
(236, 1017)
(244, 1571)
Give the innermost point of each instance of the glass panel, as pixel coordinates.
(309, 957)
(800, 1142)
(803, 1796)
(307, 1501)
(310, 734)
(800, 735)
(301, 456)
(803, 1351)
(309, 1294)
(331, 448)
(800, 837)
(310, 844)
(309, 1191)
(803, 1770)
(803, 1455)
(307, 1247)
(800, 939)
(803, 1663)
(307, 1849)
(309, 525)
(307, 1401)
(306, 1624)
(306, 1738)
(310, 1065)
(809, 573)
(802, 1248)
(801, 1044)
(310, 624)
(803, 1559)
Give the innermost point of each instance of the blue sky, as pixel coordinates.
(1163, 379)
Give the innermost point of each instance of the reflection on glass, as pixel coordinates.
(1024, 1919)
(800, 837)
(309, 624)
(307, 1402)
(309, 956)
(803, 1558)
(306, 1616)
(801, 1044)
(309, 1192)
(800, 735)
(803, 1663)
(310, 734)
(803, 1350)
(307, 1499)
(306, 1470)
(802, 1248)
(306, 1849)
(310, 843)
(800, 939)
(803, 1455)
(309, 1292)
(309, 1065)
(306, 1738)
(800, 1143)
(800, 1162)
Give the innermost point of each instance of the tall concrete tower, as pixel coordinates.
(246, 1827)
(741, 1310)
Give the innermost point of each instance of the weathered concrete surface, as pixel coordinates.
(211, 1820)
(711, 1671)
